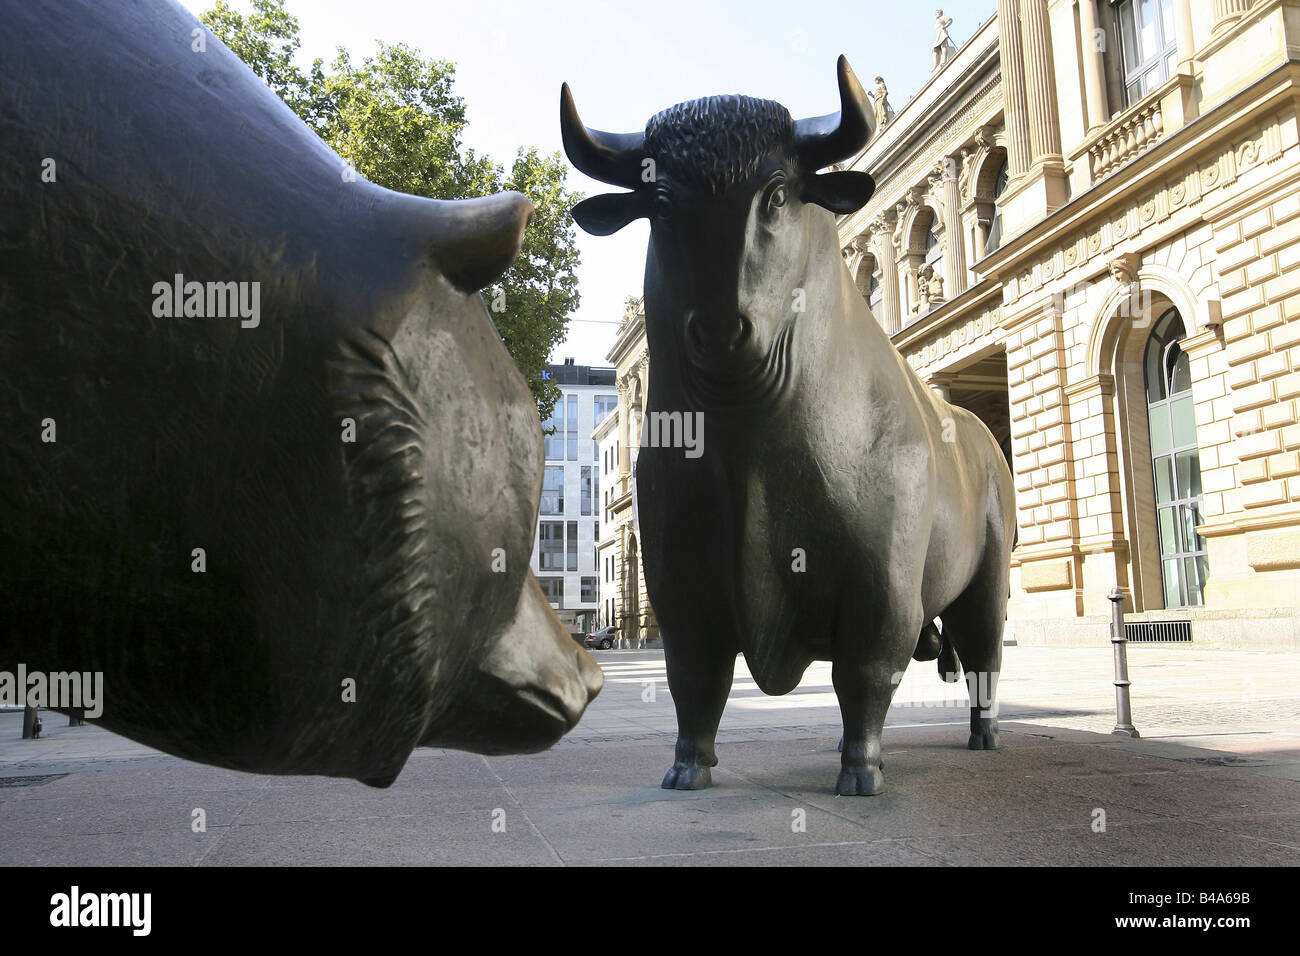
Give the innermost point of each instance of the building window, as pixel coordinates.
(572, 402)
(995, 227)
(553, 432)
(1176, 461)
(550, 545)
(604, 404)
(1147, 42)
(553, 588)
(584, 489)
(874, 295)
(588, 591)
(934, 249)
(573, 546)
(552, 490)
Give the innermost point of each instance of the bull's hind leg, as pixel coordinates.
(974, 625)
(700, 669)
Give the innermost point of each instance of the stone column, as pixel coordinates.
(942, 385)
(976, 219)
(909, 267)
(624, 432)
(882, 231)
(899, 244)
(1094, 84)
(944, 178)
(1040, 84)
(1226, 13)
(1014, 108)
(1183, 32)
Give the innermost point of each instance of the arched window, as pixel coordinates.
(995, 227)
(1176, 463)
(874, 295)
(934, 249)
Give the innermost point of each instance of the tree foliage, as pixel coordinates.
(397, 120)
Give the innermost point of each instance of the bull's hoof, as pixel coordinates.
(866, 782)
(687, 776)
(984, 740)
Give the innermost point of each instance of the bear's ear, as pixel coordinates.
(840, 192)
(606, 214)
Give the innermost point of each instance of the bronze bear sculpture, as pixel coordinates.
(839, 506)
(266, 464)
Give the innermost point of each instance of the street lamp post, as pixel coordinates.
(1123, 711)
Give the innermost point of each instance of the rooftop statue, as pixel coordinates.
(943, 48)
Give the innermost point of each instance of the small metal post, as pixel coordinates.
(31, 722)
(1123, 712)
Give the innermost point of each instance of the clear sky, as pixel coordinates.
(624, 62)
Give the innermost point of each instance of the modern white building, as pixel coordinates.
(609, 551)
(568, 523)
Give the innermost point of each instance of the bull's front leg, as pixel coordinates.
(866, 673)
(700, 669)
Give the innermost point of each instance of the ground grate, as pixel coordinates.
(1158, 632)
(32, 780)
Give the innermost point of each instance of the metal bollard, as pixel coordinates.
(1123, 712)
(32, 723)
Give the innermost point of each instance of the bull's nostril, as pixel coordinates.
(696, 335)
(739, 334)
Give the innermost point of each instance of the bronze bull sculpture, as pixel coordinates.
(839, 506)
(266, 464)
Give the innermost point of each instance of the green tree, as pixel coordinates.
(397, 120)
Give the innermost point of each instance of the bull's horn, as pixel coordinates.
(822, 140)
(476, 240)
(613, 158)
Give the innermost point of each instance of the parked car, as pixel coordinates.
(604, 638)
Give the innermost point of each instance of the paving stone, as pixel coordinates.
(1222, 786)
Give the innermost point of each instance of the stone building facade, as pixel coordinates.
(624, 599)
(1086, 230)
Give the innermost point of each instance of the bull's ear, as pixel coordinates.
(606, 214)
(840, 192)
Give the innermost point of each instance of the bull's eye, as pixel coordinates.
(662, 204)
(776, 198)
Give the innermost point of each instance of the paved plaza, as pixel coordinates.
(1215, 779)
